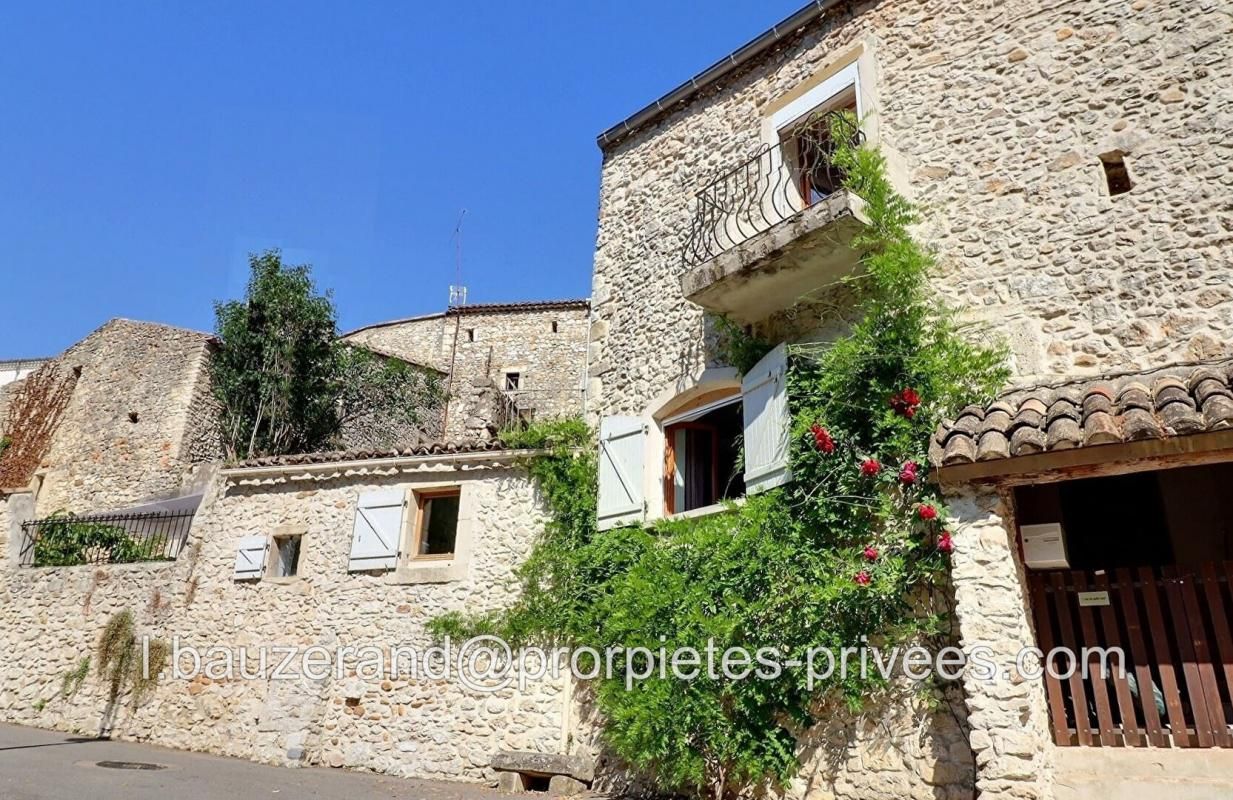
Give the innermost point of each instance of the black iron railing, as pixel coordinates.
(776, 183)
(65, 540)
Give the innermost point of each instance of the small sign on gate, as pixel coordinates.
(1093, 598)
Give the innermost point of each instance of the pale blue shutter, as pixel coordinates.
(764, 395)
(378, 530)
(622, 448)
(250, 557)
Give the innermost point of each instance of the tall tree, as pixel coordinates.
(285, 383)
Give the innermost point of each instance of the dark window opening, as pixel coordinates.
(1146, 519)
(513, 381)
(438, 525)
(287, 554)
(554, 327)
(470, 334)
(1116, 174)
(703, 460)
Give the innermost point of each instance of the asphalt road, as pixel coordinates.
(46, 765)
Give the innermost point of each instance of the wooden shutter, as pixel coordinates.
(622, 448)
(764, 394)
(250, 557)
(378, 530)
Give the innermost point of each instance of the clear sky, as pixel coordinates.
(146, 148)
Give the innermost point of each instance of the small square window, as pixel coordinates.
(286, 556)
(436, 528)
(513, 381)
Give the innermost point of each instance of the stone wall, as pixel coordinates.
(481, 343)
(140, 418)
(994, 119)
(50, 618)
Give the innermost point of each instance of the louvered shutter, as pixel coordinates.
(250, 557)
(378, 529)
(764, 395)
(622, 448)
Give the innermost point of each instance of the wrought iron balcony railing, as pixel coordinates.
(775, 184)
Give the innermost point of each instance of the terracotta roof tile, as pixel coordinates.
(1171, 401)
(421, 449)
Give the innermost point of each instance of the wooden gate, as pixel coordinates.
(1172, 623)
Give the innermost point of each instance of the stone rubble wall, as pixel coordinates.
(551, 364)
(100, 458)
(50, 618)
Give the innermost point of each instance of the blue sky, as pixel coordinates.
(146, 148)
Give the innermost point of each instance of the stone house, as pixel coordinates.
(503, 361)
(1074, 173)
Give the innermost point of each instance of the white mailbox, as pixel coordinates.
(1044, 546)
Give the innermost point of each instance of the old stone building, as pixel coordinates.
(503, 361)
(1073, 168)
(137, 422)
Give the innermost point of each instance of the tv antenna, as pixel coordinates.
(458, 292)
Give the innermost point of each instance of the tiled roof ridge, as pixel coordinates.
(1156, 403)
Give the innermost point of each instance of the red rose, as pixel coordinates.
(870, 467)
(945, 543)
(910, 397)
(908, 473)
(871, 553)
(822, 439)
(862, 578)
(909, 412)
(927, 512)
(905, 402)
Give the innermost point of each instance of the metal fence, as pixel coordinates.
(65, 540)
(774, 184)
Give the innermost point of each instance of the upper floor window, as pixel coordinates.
(807, 128)
(513, 381)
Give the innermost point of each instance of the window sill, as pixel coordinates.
(706, 511)
(426, 571)
(282, 580)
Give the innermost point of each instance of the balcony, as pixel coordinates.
(776, 228)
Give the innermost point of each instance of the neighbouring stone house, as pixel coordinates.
(137, 420)
(330, 550)
(1074, 170)
(503, 361)
(359, 547)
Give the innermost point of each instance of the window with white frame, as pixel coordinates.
(808, 131)
(716, 450)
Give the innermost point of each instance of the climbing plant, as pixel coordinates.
(853, 549)
(33, 413)
(125, 663)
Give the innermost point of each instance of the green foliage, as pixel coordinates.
(71, 681)
(120, 659)
(283, 380)
(839, 556)
(65, 540)
(739, 347)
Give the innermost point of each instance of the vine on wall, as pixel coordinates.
(33, 414)
(852, 550)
